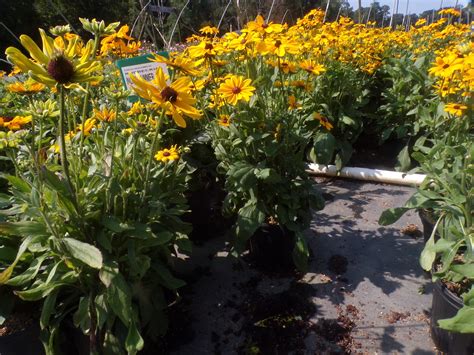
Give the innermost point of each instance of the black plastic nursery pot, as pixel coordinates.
(271, 248)
(428, 223)
(445, 305)
(24, 342)
(205, 213)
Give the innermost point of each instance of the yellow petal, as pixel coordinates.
(21, 61)
(160, 78)
(48, 44)
(43, 79)
(34, 50)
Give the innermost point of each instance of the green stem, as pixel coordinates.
(84, 106)
(62, 143)
(150, 157)
(112, 154)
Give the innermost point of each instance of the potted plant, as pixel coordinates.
(93, 208)
(446, 197)
(259, 131)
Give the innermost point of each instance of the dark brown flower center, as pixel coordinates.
(236, 90)
(446, 66)
(277, 43)
(166, 154)
(7, 119)
(169, 94)
(265, 25)
(225, 120)
(456, 107)
(61, 69)
(208, 46)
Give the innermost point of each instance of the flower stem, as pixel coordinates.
(150, 157)
(62, 143)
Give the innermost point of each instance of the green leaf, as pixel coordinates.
(23, 228)
(462, 322)
(324, 146)
(29, 274)
(249, 218)
(267, 174)
(134, 341)
(349, 121)
(81, 317)
(119, 297)
(115, 225)
(392, 215)
(428, 255)
(468, 297)
(404, 161)
(39, 292)
(48, 309)
(18, 183)
(86, 253)
(166, 278)
(467, 270)
(301, 253)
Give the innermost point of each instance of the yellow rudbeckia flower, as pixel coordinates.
(53, 64)
(235, 89)
(455, 109)
(26, 88)
(175, 99)
(168, 155)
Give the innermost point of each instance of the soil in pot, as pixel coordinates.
(20, 333)
(445, 305)
(271, 248)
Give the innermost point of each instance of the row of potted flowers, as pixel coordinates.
(96, 206)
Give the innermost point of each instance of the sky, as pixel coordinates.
(415, 6)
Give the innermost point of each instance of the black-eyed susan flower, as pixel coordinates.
(261, 26)
(224, 120)
(179, 63)
(446, 66)
(323, 121)
(205, 48)
(89, 125)
(136, 108)
(209, 30)
(455, 109)
(14, 123)
(104, 114)
(293, 103)
(28, 87)
(175, 99)
(168, 154)
(55, 65)
(312, 67)
(236, 88)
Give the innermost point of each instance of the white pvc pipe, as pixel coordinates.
(391, 177)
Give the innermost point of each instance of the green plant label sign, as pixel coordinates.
(141, 65)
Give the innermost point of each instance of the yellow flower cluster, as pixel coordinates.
(311, 40)
(454, 70)
(119, 43)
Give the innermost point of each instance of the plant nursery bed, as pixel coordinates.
(364, 293)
